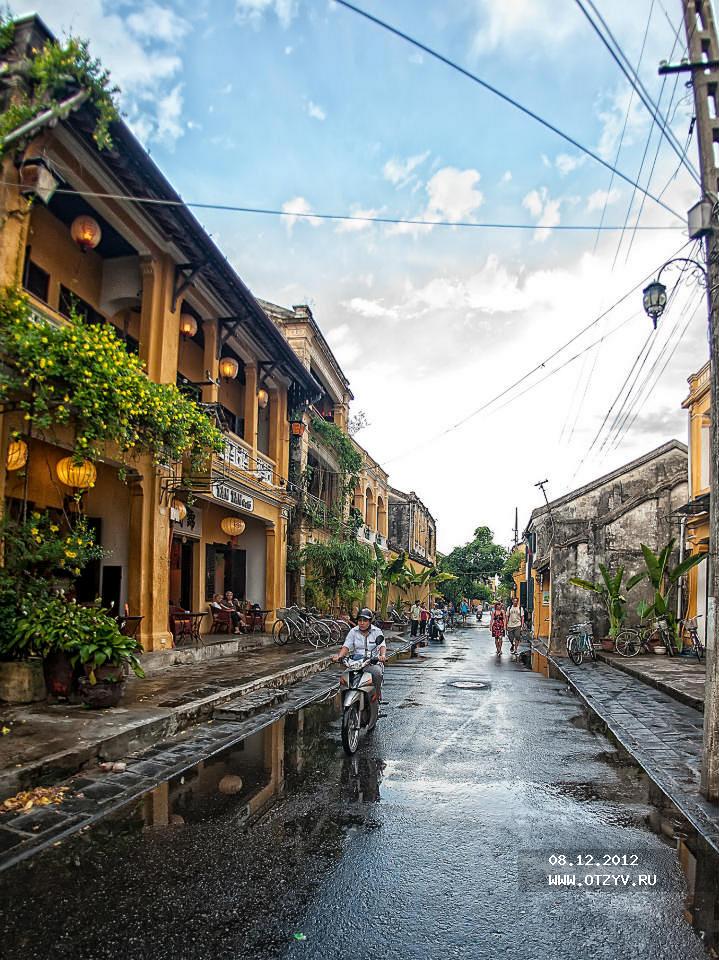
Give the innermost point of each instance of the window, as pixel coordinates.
(35, 280)
(235, 423)
(70, 302)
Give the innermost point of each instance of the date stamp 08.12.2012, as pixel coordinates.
(636, 870)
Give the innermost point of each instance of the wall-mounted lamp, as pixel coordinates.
(263, 398)
(297, 427)
(17, 454)
(38, 179)
(228, 368)
(188, 325)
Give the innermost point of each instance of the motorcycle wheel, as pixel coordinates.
(350, 729)
(373, 715)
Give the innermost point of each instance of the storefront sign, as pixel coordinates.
(191, 526)
(233, 496)
(235, 455)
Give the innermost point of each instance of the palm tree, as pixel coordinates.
(390, 573)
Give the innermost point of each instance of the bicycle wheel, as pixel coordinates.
(313, 636)
(281, 632)
(698, 648)
(589, 642)
(628, 643)
(574, 648)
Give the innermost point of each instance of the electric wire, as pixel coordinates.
(580, 407)
(267, 211)
(496, 91)
(625, 66)
(488, 403)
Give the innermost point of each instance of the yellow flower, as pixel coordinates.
(71, 554)
(54, 527)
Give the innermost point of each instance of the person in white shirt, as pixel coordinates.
(364, 641)
(414, 617)
(515, 622)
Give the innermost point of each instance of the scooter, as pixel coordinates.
(437, 626)
(360, 706)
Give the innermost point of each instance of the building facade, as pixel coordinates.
(605, 521)
(413, 531)
(696, 511)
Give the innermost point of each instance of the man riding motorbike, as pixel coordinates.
(366, 640)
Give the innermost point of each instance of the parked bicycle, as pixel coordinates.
(691, 636)
(633, 640)
(580, 642)
(294, 623)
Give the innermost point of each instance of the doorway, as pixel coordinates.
(226, 569)
(181, 563)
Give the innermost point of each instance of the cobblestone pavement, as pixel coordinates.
(663, 735)
(681, 677)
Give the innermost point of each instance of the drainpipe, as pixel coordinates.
(61, 111)
(682, 532)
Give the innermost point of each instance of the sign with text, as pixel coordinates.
(235, 455)
(229, 494)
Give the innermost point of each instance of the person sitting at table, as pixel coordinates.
(228, 602)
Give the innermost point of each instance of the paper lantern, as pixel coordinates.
(179, 507)
(298, 428)
(86, 233)
(232, 526)
(16, 455)
(188, 325)
(72, 474)
(229, 368)
(263, 398)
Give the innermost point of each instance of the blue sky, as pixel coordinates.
(301, 105)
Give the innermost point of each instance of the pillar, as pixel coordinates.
(251, 406)
(15, 214)
(159, 326)
(210, 359)
(149, 559)
(275, 565)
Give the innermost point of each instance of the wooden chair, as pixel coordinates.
(221, 620)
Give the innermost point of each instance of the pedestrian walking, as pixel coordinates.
(515, 624)
(414, 618)
(423, 619)
(497, 626)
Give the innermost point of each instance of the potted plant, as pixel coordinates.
(609, 591)
(106, 655)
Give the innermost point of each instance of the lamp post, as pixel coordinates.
(655, 294)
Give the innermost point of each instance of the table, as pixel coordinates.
(256, 619)
(188, 625)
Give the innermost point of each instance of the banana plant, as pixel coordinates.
(609, 591)
(390, 573)
(663, 580)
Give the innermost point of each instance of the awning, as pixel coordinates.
(696, 506)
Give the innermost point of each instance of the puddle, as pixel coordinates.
(471, 684)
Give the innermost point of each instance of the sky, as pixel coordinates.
(305, 107)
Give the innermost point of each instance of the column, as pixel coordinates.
(271, 571)
(251, 406)
(149, 559)
(211, 363)
(15, 219)
(159, 326)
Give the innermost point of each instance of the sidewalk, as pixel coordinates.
(681, 677)
(663, 735)
(49, 742)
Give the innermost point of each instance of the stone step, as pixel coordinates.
(249, 704)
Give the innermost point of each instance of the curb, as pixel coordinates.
(147, 732)
(686, 698)
(668, 790)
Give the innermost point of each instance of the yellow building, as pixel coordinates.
(698, 405)
(371, 499)
(173, 298)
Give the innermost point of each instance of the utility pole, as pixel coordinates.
(703, 59)
(516, 526)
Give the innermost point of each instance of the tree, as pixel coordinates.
(339, 566)
(511, 565)
(473, 564)
(663, 580)
(609, 591)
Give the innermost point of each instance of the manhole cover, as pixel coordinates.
(471, 684)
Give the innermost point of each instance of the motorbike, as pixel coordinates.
(437, 626)
(360, 706)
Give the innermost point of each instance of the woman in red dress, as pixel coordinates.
(498, 626)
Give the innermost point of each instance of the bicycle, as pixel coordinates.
(689, 627)
(579, 642)
(632, 640)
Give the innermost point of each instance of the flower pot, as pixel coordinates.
(60, 675)
(102, 694)
(22, 681)
(659, 649)
(607, 644)
(108, 673)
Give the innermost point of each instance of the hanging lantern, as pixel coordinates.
(16, 455)
(86, 232)
(188, 325)
(229, 368)
(263, 398)
(232, 526)
(297, 427)
(655, 300)
(180, 509)
(72, 474)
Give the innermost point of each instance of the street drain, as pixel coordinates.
(471, 684)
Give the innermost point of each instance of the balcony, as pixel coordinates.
(238, 458)
(319, 513)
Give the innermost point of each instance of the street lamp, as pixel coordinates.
(655, 294)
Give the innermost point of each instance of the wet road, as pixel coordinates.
(284, 848)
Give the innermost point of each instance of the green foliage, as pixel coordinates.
(473, 564)
(54, 74)
(609, 591)
(87, 634)
(391, 572)
(338, 566)
(348, 457)
(511, 566)
(82, 374)
(7, 30)
(663, 580)
(41, 556)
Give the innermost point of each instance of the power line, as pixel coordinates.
(498, 93)
(539, 366)
(634, 79)
(267, 211)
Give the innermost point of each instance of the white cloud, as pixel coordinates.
(505, 24)
(226, 90)
(616, 110)
(252, 11)
(566, 162)
(355, 226)
(158, 23)
(169, 117)
(288, 50)
(316, 111)
(416, 57)
(597, 200)
(545, 211)
(372, 309)
(401, 172)
(453, 194)
(506, 176)
(298, 205)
